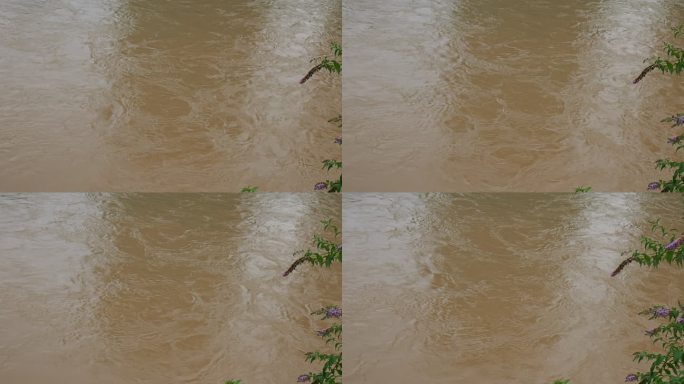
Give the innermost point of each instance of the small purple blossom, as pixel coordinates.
(338, 140)
(322, 332)
(320, 186)
(674, 139)
(303, 378)
(679, 120)
(661, 312)
(651, 332)
(680, 320)
(654, 185)
(675, 244)
(333, 312)
(631, 377)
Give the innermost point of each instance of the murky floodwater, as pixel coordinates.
(501, 95)
(499, 288)
(142, 288)
(122, 95)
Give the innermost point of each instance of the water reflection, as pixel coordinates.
(159, 288)
(498, 288)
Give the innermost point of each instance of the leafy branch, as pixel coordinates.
(656, 251)
(325, 253)
(332, 65)
(331, 370)
(666, 367)
(330, 185)
(672, 64)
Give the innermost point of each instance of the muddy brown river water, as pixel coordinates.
(155, 95)
(137, 288)
(503, 288)
(501, 95)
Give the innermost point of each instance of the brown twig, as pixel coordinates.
(644, 73)
(311, 73)
(295, 265)
(622, 266)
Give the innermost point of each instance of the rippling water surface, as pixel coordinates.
(499, 288)
(114, 288)
(155, 95)
(500, 95)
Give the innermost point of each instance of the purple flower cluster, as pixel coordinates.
(320, 186)
(654, 185)
(679, 120)
(661, 312)
(680, 320)
(675, 244)
(674, 139)
(322, 332)
(631, 377)
(303, 378)
(333, 312)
